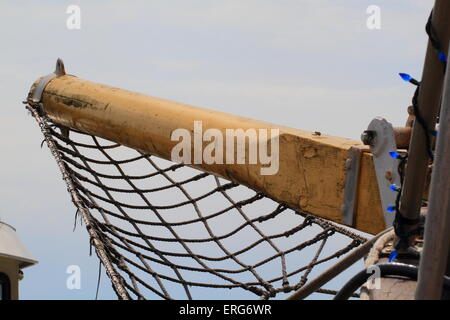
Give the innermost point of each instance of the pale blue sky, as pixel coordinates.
(308, 64)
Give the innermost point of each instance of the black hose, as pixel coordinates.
(386, 269)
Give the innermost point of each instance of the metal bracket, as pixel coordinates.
(386, 168)
(36, 97)
(351, 186)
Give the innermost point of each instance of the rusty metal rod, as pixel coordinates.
(329, 274)
(402, 137)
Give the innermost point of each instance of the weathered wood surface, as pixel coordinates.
(312, 167)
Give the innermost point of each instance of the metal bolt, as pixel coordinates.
(348, 163)
(387, 250)
(367, 137)
(388, 175)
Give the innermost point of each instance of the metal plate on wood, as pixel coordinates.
(351, 186)
(386, 168)
(40, 87)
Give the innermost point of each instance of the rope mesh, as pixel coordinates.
(165, 230)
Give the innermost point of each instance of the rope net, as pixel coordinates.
(165, 230)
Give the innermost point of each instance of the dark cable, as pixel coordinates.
(386, 269)
(98, 279)
(431, 32)
(423, 123)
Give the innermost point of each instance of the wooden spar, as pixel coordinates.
(312, 167)
(437, 226)
(428, 104)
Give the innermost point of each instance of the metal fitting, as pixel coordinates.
(367, 137)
